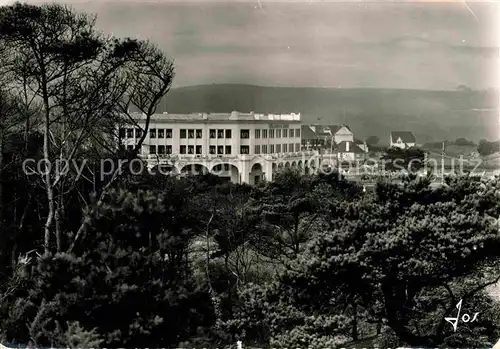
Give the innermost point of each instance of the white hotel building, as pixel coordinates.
(243, 147)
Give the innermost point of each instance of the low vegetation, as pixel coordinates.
(302, 261)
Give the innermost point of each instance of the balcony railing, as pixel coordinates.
(160, 156)
(296, 154)
(191, 156)
(173, 157)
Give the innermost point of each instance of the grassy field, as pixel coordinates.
(453, 154)
(492, 161)
(454, 150)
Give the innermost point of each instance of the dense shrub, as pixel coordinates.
(304, 261)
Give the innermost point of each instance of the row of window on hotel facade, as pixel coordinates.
(224, 150)
(214, 134)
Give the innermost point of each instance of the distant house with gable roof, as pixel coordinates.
(349, 151)
(402, 139)
(333, 138)
(341, 133)
(317, 136)
(310, 139)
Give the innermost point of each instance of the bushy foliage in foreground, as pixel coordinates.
(129, 278)
(300, 262)
(405, 257)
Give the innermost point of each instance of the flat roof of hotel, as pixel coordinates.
(222, 117)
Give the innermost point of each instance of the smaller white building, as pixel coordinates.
(402, 139)
(318, 136)
(349, 151)
(341, 133)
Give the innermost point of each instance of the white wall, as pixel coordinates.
(343, 134)
(244, 163)
(347, 157)
(235, 141)
(402, 145)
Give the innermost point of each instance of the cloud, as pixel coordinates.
(351, 44)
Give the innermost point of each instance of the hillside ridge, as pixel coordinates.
(432, 115)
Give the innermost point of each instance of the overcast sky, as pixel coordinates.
(330, 44)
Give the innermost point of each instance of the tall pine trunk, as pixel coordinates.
(354, 333)
(48, 179)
